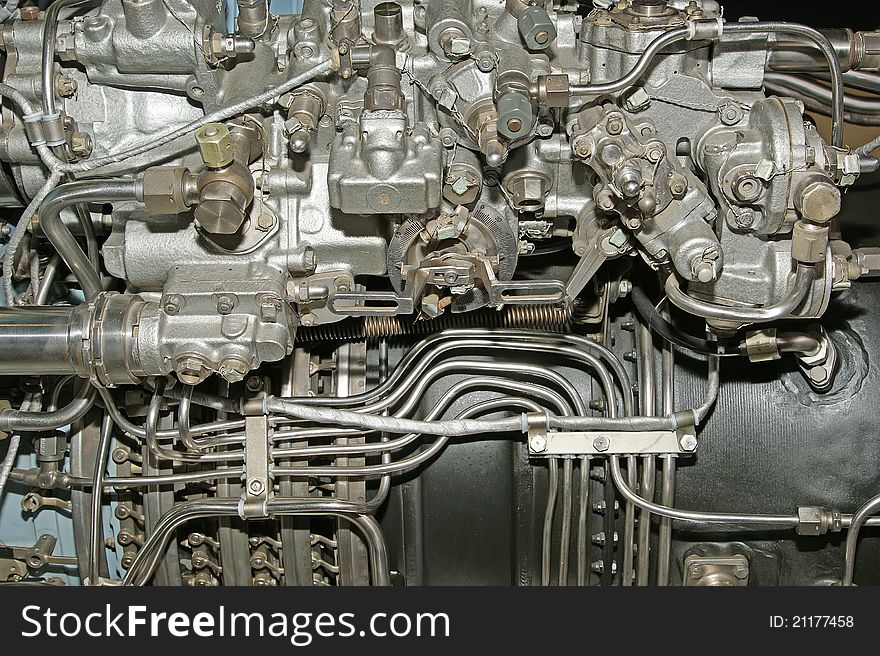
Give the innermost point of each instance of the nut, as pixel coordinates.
(215, 145)
(164, 190)
(173, 303)
(515, 115)
(80, 144)
(536, 28)
(65, 86)
(818, 201)
(809, 242)
(225, 303)
(552, 90)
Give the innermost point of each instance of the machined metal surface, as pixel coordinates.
(435, 292)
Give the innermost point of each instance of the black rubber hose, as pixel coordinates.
(666, 330)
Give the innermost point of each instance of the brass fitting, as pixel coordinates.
(215, 145)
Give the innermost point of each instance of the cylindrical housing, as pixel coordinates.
(388, 19)
(799, 55)
(38, 341)
(253, 17)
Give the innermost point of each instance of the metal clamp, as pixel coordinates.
(545, 443)
(257, 480)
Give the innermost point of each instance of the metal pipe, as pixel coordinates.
(69, 194)
(549, 511)
(828, 52)
(48, 280)
(802, 55)
(640, 68)
(667, 481)
(871, 507)
(37, 341)
(817, 91)
(795, 295)
(565, 532)
(698, 517)
(96, 519)
(18, 420)
(647, 398)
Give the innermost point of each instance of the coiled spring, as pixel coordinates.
(542, 317)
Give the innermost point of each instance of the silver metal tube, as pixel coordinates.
(793, 298)
(17, 420)
(852, 538)
(734, 519)
(812, 89)
(667, 481)
(565, 532)
(641, 67)
(647, 398)
(96, 520)
(828, 52)
(37, 341)
(802, 55)
(72, 193)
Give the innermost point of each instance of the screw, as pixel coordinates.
(254, 384)
(255, 486)
(615, 125)
(65, 86)
(173, 304)
(225, 303)
(655, 154)
(688, 442)
(582, 148)
(696, 571)
(538, 443)
(601, 443)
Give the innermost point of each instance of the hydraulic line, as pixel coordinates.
(795, 295)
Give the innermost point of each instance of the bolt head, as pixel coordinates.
(688, 443)
(820, 202)
(538, 443)
(601, 443)
(255, 486)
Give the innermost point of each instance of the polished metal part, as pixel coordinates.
(345, 296)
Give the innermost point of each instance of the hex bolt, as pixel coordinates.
(741, 572)
(65, 86)
(173, 303)
(225, 303)
(614, 125)
(538, 443)
(254, 384)
(688, 443)
(255, 486)
(191, 371)
(696, 571)
(601, 443)
(233, 370)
